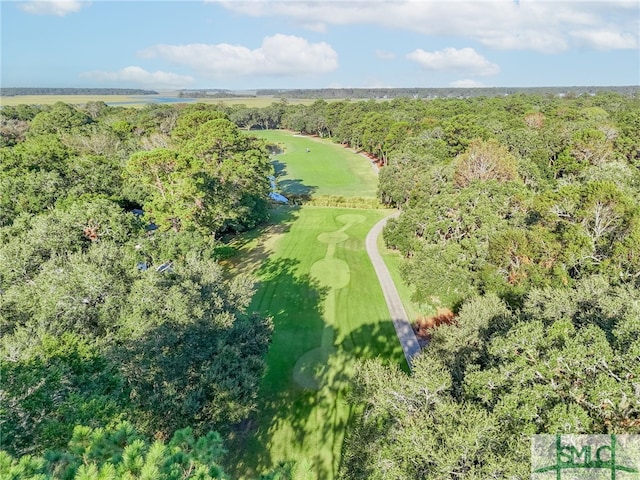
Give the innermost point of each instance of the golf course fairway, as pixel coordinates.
(310, 165)
(315, 279)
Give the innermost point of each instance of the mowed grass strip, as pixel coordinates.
(326, 169)
(328, 310)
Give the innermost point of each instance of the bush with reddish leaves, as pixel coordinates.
(424, 325)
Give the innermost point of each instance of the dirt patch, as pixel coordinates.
(424, 326)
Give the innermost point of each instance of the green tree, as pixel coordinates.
(189, 122)
(376, 128)
(565, 363)
(12, 131)
(189, 347)
(50, 386)
(60, 118)
(119, 452)
(591, 221)
(174, 193)
(591, 147)
(416, 168)
(236, 170)
(485, 161)
(218, 181)
(460, 130)
(627, 143)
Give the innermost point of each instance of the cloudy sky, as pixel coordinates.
(312, 44)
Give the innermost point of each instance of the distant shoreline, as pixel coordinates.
(327, 93)
(263, 98)
(24, 91)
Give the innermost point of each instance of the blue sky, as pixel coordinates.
(314, 44)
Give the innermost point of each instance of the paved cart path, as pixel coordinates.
(405, 332)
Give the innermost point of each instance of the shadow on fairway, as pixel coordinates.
(291, 186)
(296, 187)
(295, 303)
(298, 421)
(316, 418)
(377, 340)
(249, 250)
(280, 168)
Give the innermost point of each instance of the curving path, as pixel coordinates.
(405, 332)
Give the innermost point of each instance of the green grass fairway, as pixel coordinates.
(317, 282)
(327, 169)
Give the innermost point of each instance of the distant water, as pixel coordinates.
(152, 99)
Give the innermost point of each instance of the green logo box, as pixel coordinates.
(582, 457)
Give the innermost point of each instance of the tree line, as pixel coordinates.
(442, 92)
(13, 91)
(213, 93)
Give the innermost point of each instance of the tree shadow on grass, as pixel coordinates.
(252, 248)
(294, 186)
(284, 424)
(303, 414)
(279, 168)
(291, 186)
(376, 341)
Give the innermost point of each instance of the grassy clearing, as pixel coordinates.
(317, 282)
(326, 169)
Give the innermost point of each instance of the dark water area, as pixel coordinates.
(151, 99)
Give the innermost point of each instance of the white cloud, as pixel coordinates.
(318, 27)
(139, 76)
(279, 55)
(456, 60)
(59, 8)
(467, 83)
(382, 55)
(539, 25)
(605, 40)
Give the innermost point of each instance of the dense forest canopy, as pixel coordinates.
(519, 214)
(112, 303)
